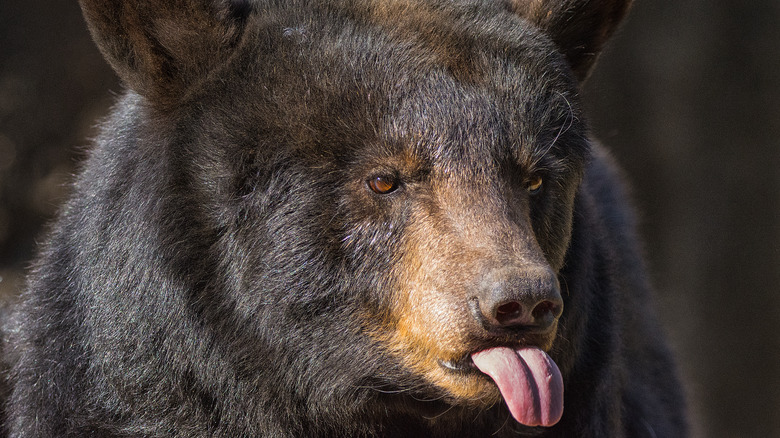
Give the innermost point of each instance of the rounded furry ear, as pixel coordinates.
(579, 27)
(159, 47)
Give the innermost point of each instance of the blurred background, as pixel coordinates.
(687, 96)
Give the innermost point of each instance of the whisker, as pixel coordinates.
(564, 128)
(439, 415)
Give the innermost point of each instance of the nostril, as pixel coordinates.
(545, 312)
(509, 313)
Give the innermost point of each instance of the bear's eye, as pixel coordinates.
(535, 185)
(383, 185)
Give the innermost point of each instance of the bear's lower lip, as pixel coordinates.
(462, 365)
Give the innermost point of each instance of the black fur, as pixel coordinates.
(222, 269)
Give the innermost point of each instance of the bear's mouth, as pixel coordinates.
(526, 339)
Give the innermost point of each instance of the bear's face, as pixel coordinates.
(411, 165)
(466, 194)
(438, 188)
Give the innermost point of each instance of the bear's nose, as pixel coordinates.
(519, 297)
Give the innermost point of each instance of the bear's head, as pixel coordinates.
(386, 188)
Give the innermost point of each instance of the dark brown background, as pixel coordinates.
(688, 97)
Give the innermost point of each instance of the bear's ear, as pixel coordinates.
(579, 27)
(159, 47)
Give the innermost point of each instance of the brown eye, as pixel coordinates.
(535, 185)
(382, 185)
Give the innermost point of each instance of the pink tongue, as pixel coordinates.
(529, 381)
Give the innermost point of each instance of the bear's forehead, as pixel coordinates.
(475, 124)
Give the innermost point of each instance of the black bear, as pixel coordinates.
(344, 218)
